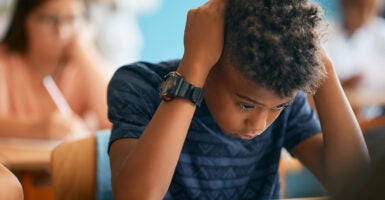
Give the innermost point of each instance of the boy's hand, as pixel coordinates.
(203, 40)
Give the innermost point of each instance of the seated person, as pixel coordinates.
(254, 60)
(11, 188)
(356, 44)
(49, 39)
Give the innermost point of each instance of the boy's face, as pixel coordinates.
(240, 107)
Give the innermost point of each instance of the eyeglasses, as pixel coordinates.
(50, 22)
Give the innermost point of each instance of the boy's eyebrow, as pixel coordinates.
(259, 103)
(250, 99)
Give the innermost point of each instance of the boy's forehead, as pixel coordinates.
(232, 78)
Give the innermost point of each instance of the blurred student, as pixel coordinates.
(254, 60)
(356, 44)
(48, 40)
(11, 188)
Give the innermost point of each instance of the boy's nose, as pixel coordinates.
(257, 123)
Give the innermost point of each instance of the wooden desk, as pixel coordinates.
(362, 97)
(29, 160)
(26, 154)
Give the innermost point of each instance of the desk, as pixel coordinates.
(362, 97)
(29, 160)
(26, 154)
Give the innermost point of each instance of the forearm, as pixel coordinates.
(149, 167)
(344, 146)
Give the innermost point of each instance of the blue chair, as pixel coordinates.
(103, 170)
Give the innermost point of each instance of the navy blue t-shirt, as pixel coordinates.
(212, 165)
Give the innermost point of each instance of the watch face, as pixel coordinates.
(168, 87)
(173, 85)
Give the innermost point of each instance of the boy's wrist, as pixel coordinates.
(194, 73)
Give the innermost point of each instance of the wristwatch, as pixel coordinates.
(173, 85)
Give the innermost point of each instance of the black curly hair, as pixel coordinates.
(275, 43)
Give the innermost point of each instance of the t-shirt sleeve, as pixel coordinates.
(302, 122)
(132, 99)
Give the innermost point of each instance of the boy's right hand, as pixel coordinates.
(203, 40)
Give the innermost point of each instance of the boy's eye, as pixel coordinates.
(282, 107)
(245, 107)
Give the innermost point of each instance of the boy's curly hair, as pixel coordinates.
(275, 43)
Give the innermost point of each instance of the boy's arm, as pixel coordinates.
(143, 168)
(341, 150)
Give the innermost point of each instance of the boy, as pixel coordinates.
(252, 59)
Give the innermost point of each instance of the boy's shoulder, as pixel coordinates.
(141, 76)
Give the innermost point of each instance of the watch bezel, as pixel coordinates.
(170, 86)
(173, 85)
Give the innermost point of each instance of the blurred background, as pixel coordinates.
(131, 30)
(150, 30)
(154, 28)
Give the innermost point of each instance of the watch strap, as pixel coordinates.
(189, 91)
